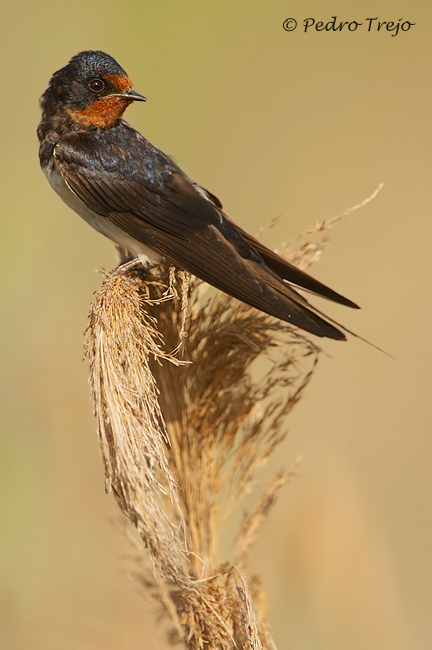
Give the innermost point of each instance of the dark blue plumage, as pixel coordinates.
(133, 193)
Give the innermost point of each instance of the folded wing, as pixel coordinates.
(177, 220)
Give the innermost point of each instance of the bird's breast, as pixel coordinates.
(99, 223)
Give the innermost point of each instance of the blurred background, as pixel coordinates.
(275, 123)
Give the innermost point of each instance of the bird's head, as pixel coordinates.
(92, 89)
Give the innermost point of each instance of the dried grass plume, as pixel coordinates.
(186, 419)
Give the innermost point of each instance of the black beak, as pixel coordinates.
(132, 95)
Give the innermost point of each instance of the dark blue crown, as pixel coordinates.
(93, 63)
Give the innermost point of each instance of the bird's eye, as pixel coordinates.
(96, 85)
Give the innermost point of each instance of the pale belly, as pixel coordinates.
(147, 256)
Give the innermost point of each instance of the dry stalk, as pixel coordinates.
(185, 423)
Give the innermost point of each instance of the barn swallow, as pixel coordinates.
(134, 194)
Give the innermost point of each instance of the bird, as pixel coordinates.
(134, 194)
